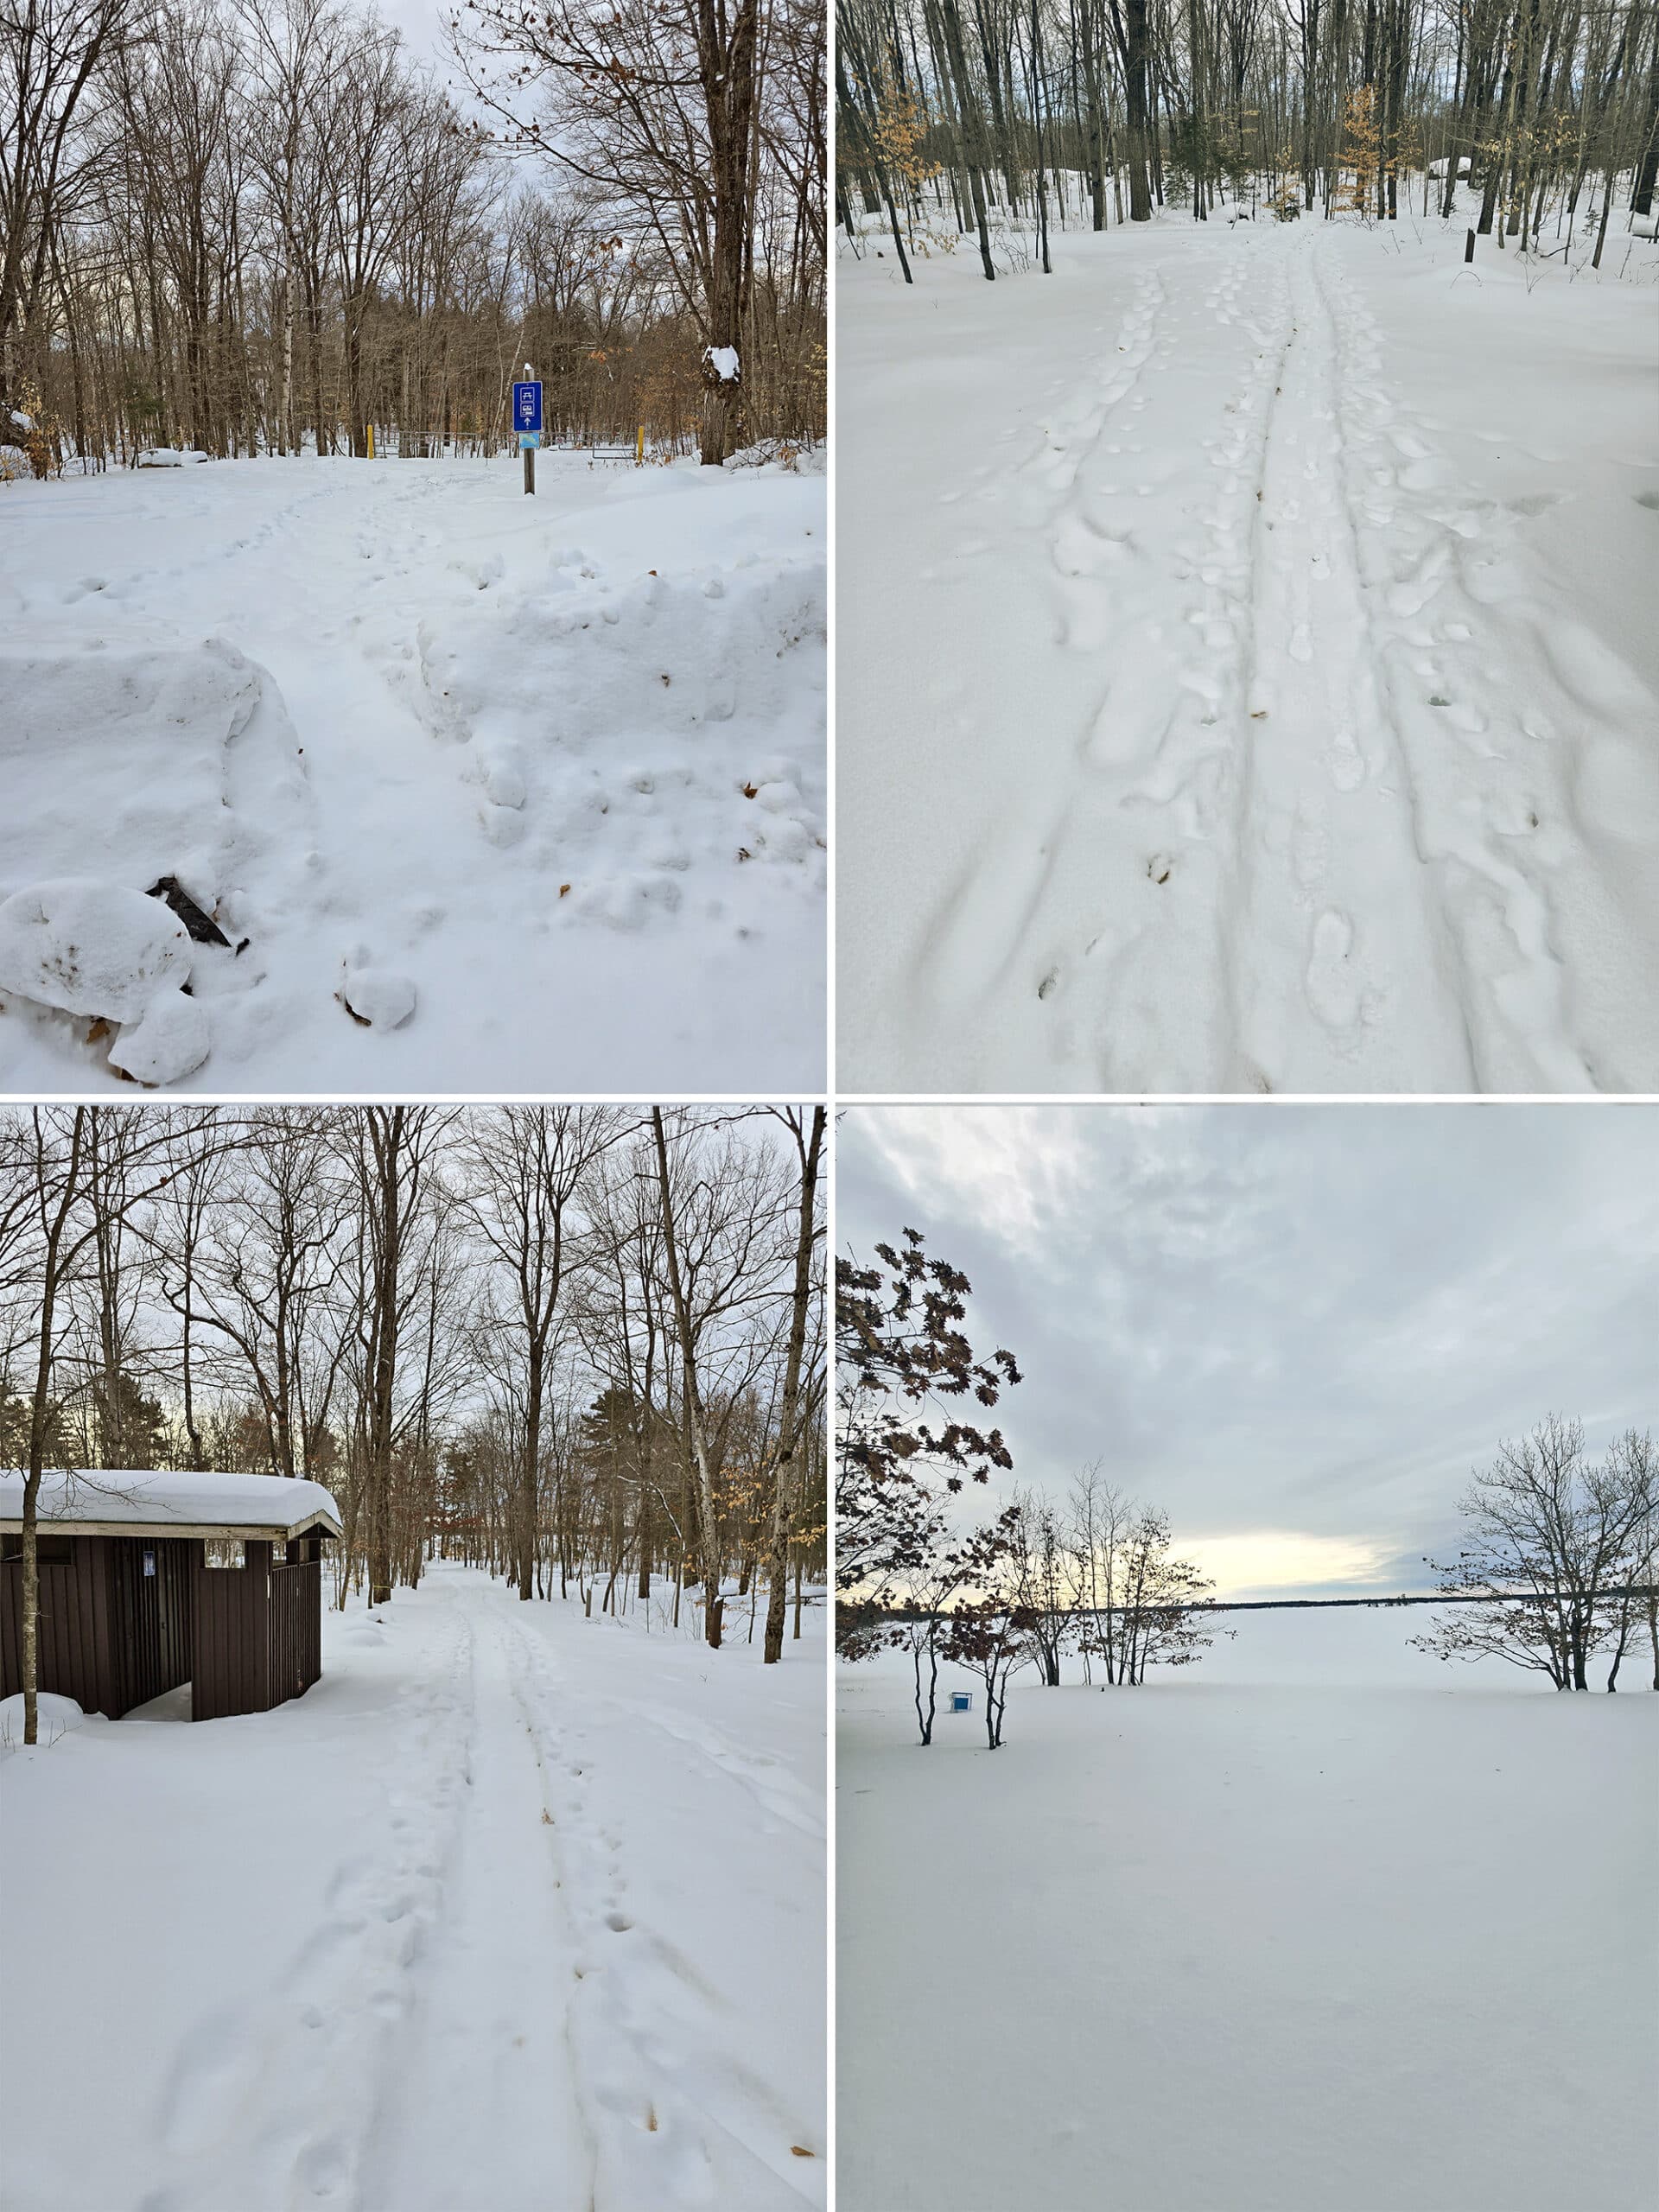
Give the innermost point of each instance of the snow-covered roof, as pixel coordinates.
(92, 1502)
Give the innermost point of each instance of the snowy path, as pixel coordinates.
(1262, 752)
(487, 2034)
(1280, 1944)
(560, 762)
(513, 1912)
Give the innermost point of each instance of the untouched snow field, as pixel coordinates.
(513, 1911)
(1248, 678)
(1323, 1926)
(552, 769)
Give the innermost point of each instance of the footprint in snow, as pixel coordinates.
(1347, 767)
(211, 2071)
(1333, 990)
(321, 2170)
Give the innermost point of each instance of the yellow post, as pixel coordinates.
(371, 442)
(639, 447)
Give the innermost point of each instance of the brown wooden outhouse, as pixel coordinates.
(150, 1580)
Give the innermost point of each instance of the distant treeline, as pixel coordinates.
(1041, 111)
(259, 226)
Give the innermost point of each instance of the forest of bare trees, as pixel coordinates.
(580, 1346)
(1003, 118)
(263, 227)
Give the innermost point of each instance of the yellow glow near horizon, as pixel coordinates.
(1282, 1559)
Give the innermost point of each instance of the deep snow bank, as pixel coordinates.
(555, 770)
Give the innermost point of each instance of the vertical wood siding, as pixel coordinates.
(258, 1632)
(229, 1673)
(112, 1636)
(73, 1636)
(295, 1629)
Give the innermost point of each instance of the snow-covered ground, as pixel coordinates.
(556, 767)
(1318, 1923)
(513, 1911)
(1247, 672)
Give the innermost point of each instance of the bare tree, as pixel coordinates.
(51, 52)
(391, 1152)
(71, 1174)
(666, 111)
(797, 1399)
(1552, 1539)
(528, 1169)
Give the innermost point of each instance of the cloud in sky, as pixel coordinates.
(1295, 1328)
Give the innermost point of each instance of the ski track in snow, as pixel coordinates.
(1373, 804)
(485, 2015)
(266, 2108)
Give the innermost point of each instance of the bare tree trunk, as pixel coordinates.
(809, 1150)
(55, 1221)
(707, 1528)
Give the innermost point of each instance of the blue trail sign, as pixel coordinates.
(527, 407)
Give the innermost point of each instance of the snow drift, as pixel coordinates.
(544, 780)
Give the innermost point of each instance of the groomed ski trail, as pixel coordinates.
(1316, 790)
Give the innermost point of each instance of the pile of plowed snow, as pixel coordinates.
(116, 764)
(479, 791)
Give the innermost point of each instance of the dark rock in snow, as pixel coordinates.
(201, 925)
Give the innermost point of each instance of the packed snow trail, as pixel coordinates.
(513, 1911)
(1258, 749)
(486, 2038)
(557, 764)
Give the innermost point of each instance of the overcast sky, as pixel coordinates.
(421, 22)
(1295, 1328)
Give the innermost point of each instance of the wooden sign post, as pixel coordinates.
(527, 421)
